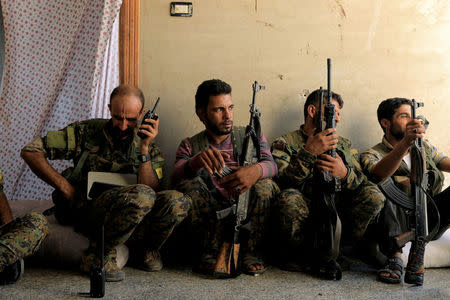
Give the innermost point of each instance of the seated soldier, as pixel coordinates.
(18, 238)
(133, 214)
(391, 158)
(200, 157)
(301, 159)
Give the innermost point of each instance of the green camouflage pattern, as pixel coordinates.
(358, 204)
(124, 209)
(206, 200)
(21, 237)
(104, 154)
(372, 156)
(170, 208)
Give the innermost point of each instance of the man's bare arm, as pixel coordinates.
(5, 210)
(40, 166)
(387, 166)
(444, 165)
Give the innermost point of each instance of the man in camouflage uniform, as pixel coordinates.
(132, 214)
(391, 158)
(200, 157)
(299, 155)
(18, 238)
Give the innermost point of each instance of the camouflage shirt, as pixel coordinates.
(93, 139)
(372, 156)
(295, 164)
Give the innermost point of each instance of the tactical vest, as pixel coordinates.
(435, 176)
(94, 143)
(199, 143)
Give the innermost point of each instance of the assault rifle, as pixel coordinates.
(417, 203)
(326, 222)
(227, 265)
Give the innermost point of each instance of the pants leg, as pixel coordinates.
(170, 208)
(202, 213)
(357, 209)
(291, 211)
(21, 237)
(262, 196)
(120, 209)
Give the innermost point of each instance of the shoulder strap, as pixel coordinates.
(199, 142)
(95, 130)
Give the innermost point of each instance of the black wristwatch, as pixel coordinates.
(144, 157)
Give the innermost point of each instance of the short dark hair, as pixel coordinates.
(388, 107)
(213, 87)
(126, 90)
(314, 97)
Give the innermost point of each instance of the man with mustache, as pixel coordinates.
(134, 214)
(391, 158)
(198, 160)
(300, 155)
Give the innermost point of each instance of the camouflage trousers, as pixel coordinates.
(21, 237)
(134, 213)
(206, 201)
(356, 209)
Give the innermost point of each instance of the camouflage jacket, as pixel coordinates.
(90, 144)
(372, 156)
(296, 165)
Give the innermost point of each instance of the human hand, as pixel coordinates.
(242, 179)
(211, 159)
(414, 129)
(335, 166)
(150, 131)
(322, 142)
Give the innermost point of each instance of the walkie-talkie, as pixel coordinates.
(97, 275)
(149, 115)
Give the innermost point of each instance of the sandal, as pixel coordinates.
(206, 265)
(250, 260)
(393, 267)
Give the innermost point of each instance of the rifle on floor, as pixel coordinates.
(227, 265)
(326, 221)
(417, 203)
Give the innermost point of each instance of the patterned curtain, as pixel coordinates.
(59, 68)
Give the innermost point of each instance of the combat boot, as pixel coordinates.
(152, 261)
(112, 271)
(12, 273)
(147, 260)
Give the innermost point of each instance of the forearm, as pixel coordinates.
(40, 166)
(146, 174)
(387, 166)
(5, 210)
(444, 165)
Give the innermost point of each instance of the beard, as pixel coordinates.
(216, 129)
(397, 133)
(120, 135)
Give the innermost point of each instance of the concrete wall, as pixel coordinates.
(379, 49)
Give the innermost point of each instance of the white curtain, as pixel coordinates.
(60, 66)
